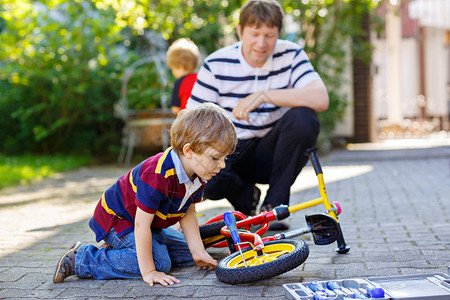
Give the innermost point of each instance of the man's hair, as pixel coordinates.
(183, 52)
(261, 12)
(203, 126)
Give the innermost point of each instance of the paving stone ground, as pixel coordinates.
(395, 200)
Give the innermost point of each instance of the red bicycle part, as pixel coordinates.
(237, 214)
(245, 223)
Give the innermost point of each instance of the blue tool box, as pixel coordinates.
(435, 286)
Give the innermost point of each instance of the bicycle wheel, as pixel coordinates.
(211, 229)
(277, 258)
(210, 233)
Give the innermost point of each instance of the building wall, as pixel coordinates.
(436, 76)
(345, 128)
(436, 67)
(409, 81)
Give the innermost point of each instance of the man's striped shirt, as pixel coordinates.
(157, 186)
(225, 78)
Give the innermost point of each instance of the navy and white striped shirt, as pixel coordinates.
(225, 78)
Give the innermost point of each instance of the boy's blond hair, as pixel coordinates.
(183, 52)
(203, 126)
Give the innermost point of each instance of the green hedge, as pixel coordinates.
(61, 62)
(59, 72)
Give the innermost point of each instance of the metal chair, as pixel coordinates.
(122, 111)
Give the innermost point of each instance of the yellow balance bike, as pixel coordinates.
(254, 257)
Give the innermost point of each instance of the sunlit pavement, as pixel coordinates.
(394, 196)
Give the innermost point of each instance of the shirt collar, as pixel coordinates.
(249, 70)
(179, 170)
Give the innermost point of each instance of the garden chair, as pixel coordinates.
(133, 118)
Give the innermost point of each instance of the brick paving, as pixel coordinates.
(395, 217)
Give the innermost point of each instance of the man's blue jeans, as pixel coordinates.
(169, 249)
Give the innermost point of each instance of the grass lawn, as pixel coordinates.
(25, 169)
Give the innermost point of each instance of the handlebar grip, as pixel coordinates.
(333, 285)
(315, 286)
(376, 292)
(230, 220)
(312, 153)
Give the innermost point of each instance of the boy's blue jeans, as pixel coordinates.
(169, 249)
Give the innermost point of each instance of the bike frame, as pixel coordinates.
(263, 218)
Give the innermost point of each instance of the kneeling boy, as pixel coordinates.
(134, 215)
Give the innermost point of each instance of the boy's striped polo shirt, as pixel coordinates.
(154, 187)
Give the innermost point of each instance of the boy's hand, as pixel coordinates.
(153, 277)
(204, 260)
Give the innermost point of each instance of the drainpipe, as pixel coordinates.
(421, 98)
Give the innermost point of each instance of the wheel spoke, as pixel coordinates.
(259, 260)
(274, 255)
(270, 253)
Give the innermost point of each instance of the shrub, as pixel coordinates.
(59, 72)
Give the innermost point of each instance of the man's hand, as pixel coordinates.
(249, 103)
(313, 95)
(154, 276)
(204, 260)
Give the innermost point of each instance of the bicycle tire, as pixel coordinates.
(227, 270)
(211, 229)
(210, 233)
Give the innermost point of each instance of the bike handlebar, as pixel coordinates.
(312, 153)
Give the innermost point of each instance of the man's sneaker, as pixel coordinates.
(66, 264)
(275, 225)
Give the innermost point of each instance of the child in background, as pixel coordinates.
(134, 215)
(182, 59)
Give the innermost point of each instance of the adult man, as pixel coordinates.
(272, 93)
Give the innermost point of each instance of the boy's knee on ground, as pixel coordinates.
(163, 263)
